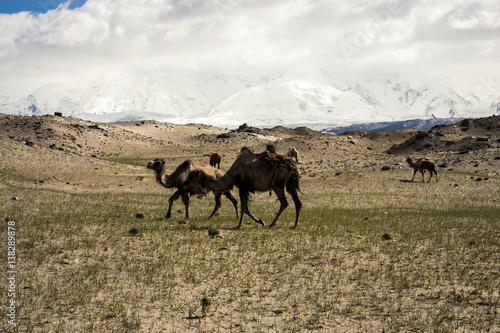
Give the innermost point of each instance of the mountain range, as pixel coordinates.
(322, 100)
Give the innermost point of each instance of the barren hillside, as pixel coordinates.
(470, 145)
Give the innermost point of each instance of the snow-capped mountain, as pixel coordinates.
(285, 101)
(230, 100)
(423, 124)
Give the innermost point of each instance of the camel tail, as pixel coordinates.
(293, 182)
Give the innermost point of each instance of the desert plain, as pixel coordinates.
(373, 251)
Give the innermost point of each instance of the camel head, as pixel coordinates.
(409, 160)
(157, 164)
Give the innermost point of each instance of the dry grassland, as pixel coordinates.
(373, 252)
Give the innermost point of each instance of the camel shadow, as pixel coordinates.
(202, 227)
(405, 181)
(194, 317)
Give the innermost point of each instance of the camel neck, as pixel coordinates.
(224, 183)
(162, 178)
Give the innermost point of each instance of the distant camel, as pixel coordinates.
(270, 148)
(179, 177)
(215, 160)
(258, 172)
(293, 153)
(421, 165)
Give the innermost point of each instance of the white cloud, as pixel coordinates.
(232, 35)
(480, 15)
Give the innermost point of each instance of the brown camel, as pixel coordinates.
(179, 177)
(258, 172)
(215, 160)
(421, 165)
(270, 148)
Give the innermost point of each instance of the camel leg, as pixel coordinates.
(431, 172)
(422, 172)
(185, 199)
(218, 196)
(414, 173)
(244, 209)
(228, 195)
(171, 200)
(298, 204)
(283, 204)
(430, 176)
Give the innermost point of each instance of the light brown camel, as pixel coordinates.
(258, 172)
(179, 177)
(421, 165)
(215, 160)
(293, 153)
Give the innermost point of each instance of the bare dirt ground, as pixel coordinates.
(373, 252)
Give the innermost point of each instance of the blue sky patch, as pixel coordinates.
(35, 6)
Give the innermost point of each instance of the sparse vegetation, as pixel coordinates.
(373, 252)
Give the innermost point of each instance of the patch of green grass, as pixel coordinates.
(81, 269)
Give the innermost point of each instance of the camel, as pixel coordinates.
(215, 160)
(293, 153)
(421, 165)
(179, 177)
(252, 172)
(270, 148)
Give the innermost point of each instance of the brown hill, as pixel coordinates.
(139, 141)
(464, 136)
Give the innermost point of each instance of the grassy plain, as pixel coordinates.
(373, 252)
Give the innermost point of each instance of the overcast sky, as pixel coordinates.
(86, 39)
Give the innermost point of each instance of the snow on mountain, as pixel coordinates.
(423, 124)
(230, 100)
(495, 106)
(284, 101)
(171, 95)
(29, 100)
(398, 98)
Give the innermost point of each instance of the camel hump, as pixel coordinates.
(182, 168)
(270, 147)
(276, 158)
(186, 164)
(246, 150)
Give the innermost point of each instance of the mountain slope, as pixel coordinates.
(229, 100)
